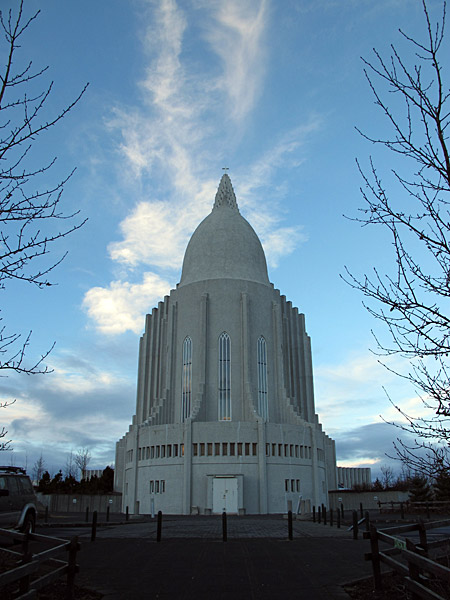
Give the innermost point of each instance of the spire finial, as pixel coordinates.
(225, 194)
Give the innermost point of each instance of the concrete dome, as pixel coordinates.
(224, 245)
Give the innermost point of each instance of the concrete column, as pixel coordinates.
(187, 471)
(317, 493)
(247, 407)
(262, 468)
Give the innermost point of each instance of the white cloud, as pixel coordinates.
(121, 307)
(237, 37)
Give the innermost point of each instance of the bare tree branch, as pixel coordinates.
(31, 216)
(412, 300)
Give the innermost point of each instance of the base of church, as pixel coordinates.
(239, 468)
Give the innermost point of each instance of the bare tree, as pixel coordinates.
(412, 299)
(70, 468)
(82, 459)
(31, 218)
(38, 469)
(387, 478)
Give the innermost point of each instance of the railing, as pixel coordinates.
(30, 565)
(407, 506)
(417, 566)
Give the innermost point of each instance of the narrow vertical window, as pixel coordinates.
(263, 407)
(224, 378)
(186, 383)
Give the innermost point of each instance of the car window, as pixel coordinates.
(12, 485)
(27, 488)
(3, 483)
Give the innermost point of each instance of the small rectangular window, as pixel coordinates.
(280, 449)
(175, 449)
(239, 448)
(182, 449)
(152, 451)
(195, 449)
(152, 487)
(148, 452)
(254, 448)
(274, 449)
(286, 450)
(202, 449)
(286, 485)
(158, 451)
(297, 453)
(163, 486)
(217, 449)
(247, 449)
(224, 448)
(156, 487)
(309, 452)
(298, 485)
(292, 485)
(301, 451)
(267, 449)
(169, 450)
(210, 449)
(232, 450)
(163, 451)
(291, 449)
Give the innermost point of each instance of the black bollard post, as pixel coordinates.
(319, 515)
(290, 525)
(324, 512)
(126, 514)
(338, 518)
(361, 511)
(314, 514)
(342, 511)
(402, 510)
(46, 514)
(367, 518)
(87, 514)
(159, 526)
(224, 527)
(355, 525)
(107, 513)
(94, 526)
(331, 517)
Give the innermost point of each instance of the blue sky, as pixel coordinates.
(178, 90)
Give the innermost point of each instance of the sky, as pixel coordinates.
(178, 90)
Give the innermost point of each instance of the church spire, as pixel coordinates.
(225, 194)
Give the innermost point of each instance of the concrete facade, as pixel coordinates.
(225, 415)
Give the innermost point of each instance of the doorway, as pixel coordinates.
(225, 495)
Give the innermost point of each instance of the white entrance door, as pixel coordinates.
(225, 495)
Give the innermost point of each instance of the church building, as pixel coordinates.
(225, 417)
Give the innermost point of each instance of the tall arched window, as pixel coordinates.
(186, 379)
(263, 406)
(224, 378)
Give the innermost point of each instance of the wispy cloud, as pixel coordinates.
(184, 126)
(237, 36)
(359, 385)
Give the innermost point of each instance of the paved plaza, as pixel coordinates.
(191, 561)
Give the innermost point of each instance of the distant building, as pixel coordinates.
(89, 473)
(225, 416)
(347, 477)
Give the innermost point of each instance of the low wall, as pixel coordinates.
(79, 502)
(351, 499)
